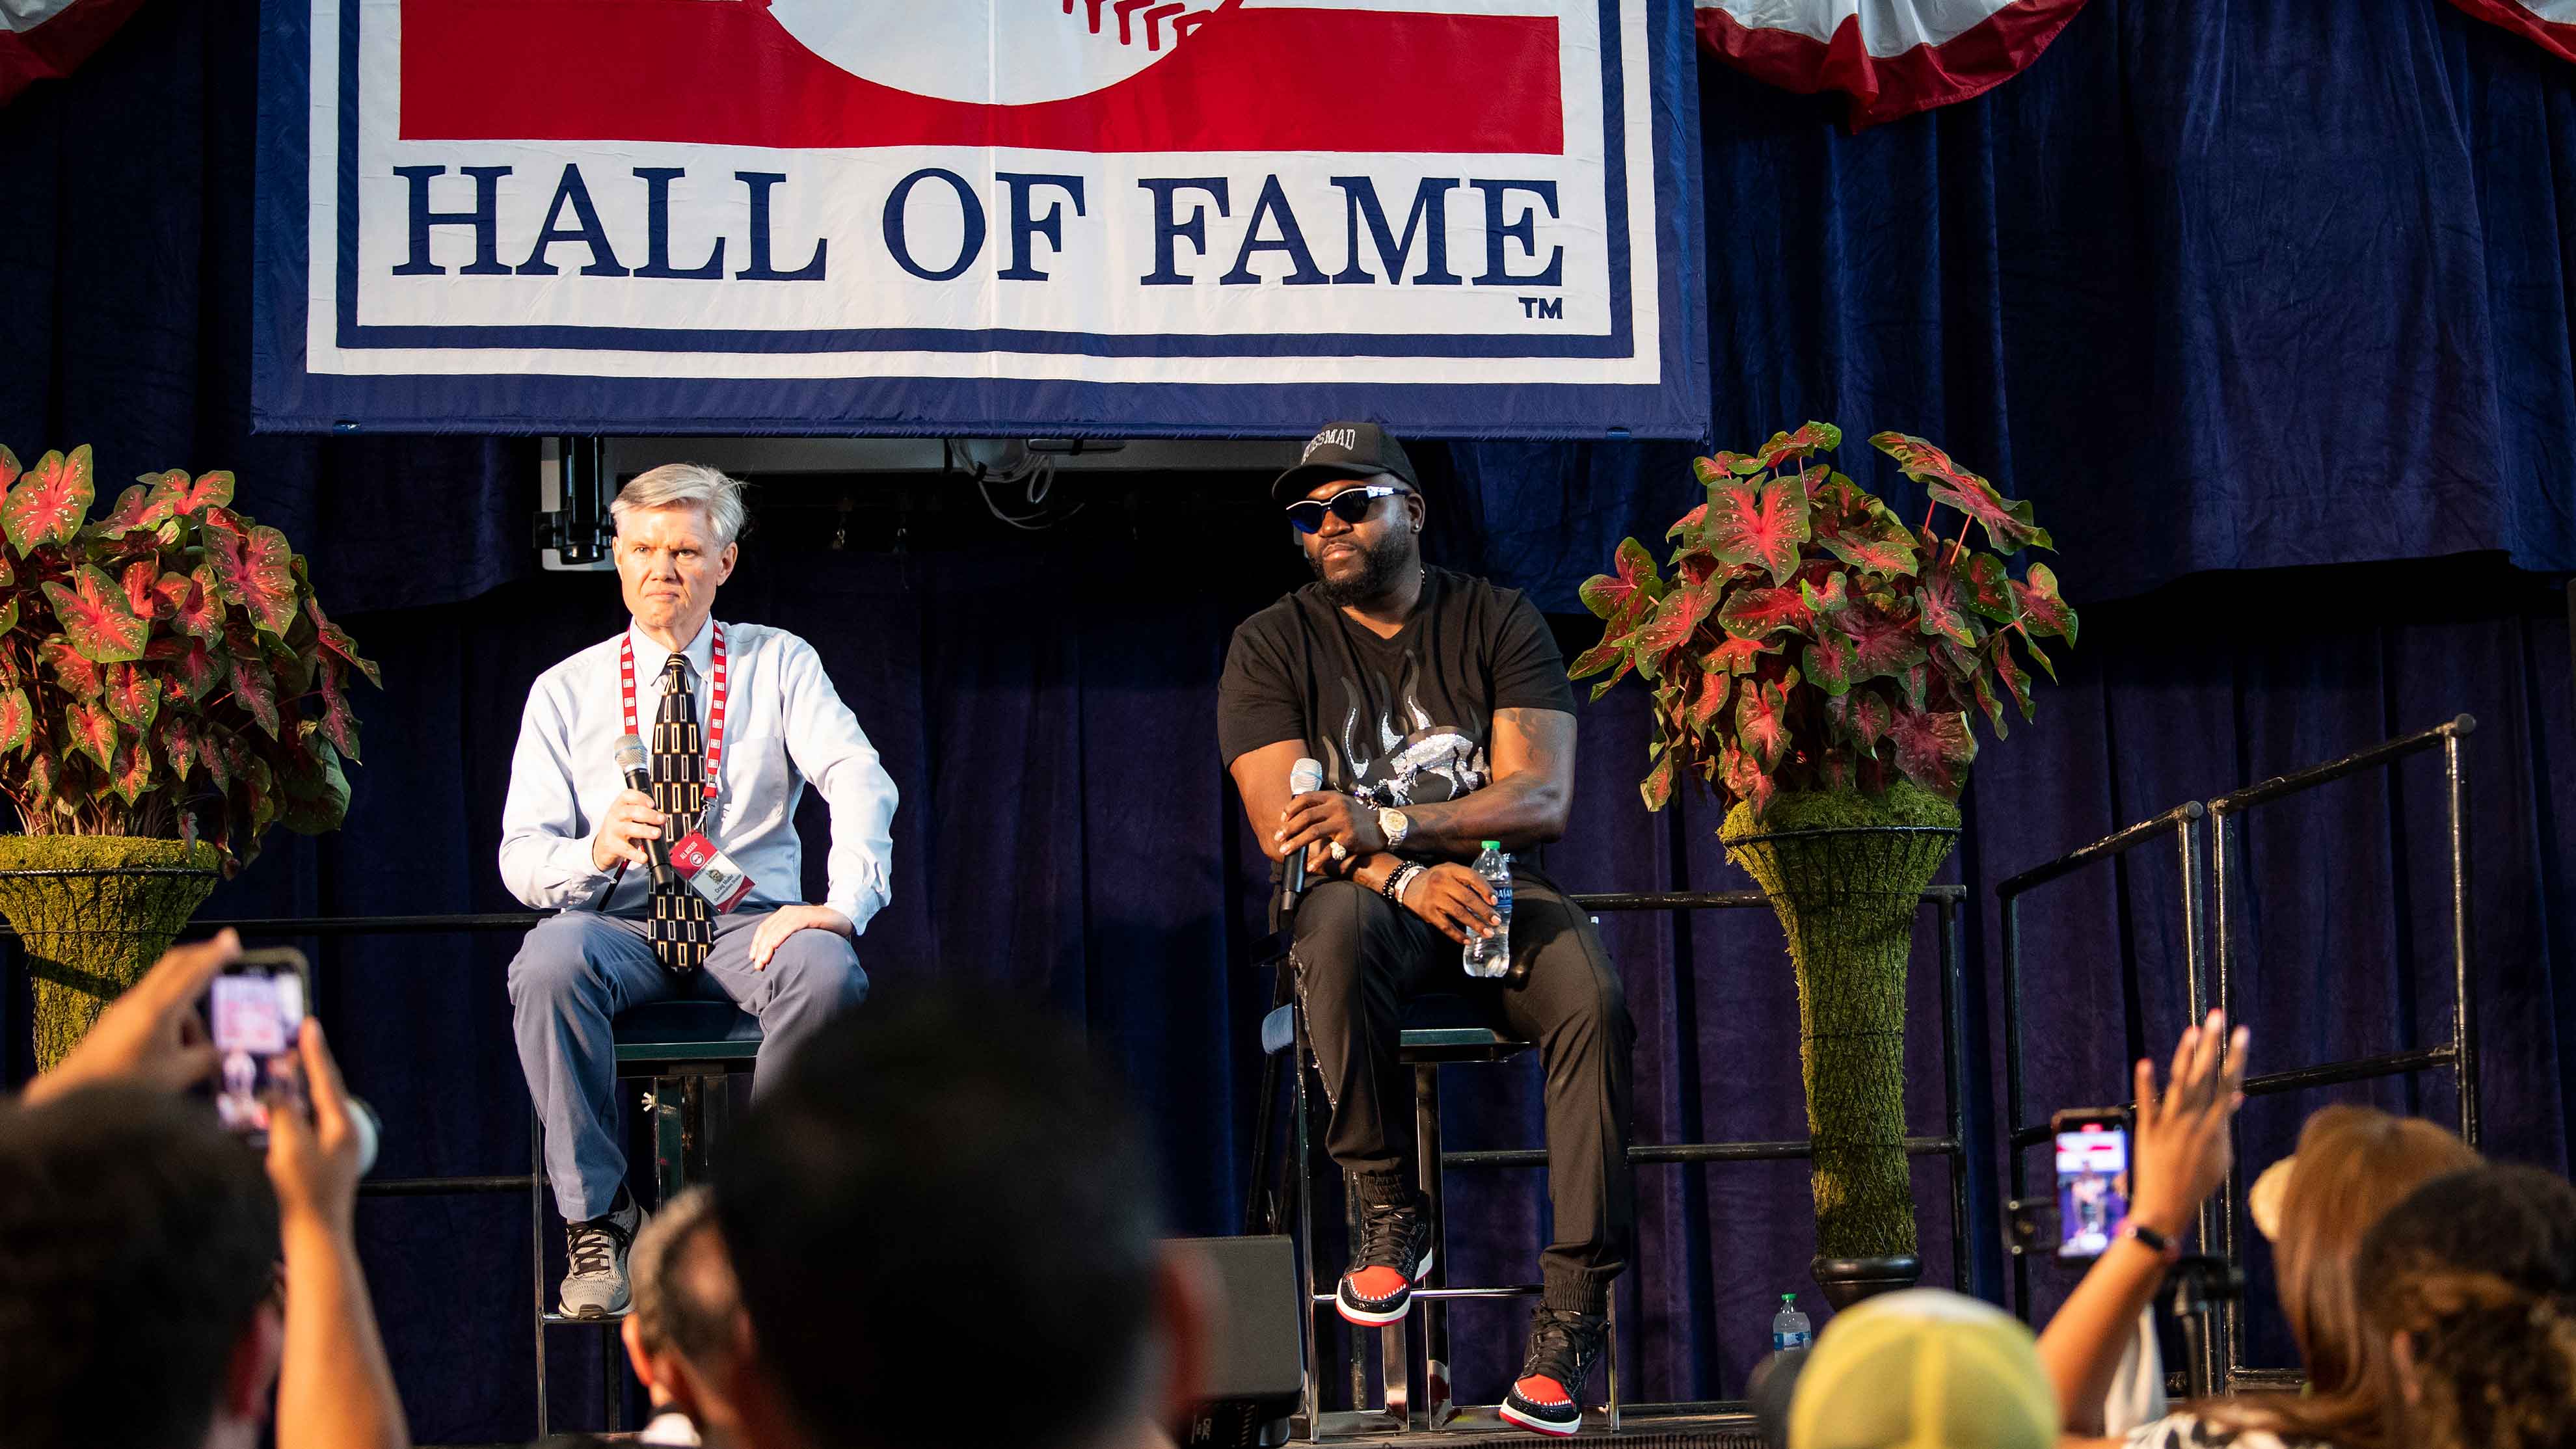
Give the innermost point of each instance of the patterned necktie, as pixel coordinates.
(682, 930)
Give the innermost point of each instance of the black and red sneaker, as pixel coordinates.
(1393, 1253)
(1547, 1396)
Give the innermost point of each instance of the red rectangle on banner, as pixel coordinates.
(1217, 76)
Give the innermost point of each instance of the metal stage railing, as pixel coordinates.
(2460, 1053)
(2223, 1363)
(2182, 822)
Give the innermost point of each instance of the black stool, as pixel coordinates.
(684, 1050)
(1436, 1031)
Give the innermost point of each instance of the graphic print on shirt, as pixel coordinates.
(1400, 756)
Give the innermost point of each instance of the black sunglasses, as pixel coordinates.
(1352, 505)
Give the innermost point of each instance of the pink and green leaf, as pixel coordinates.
(1937, 595)
(191, 603)
(337, 722)
(1934, 750)
(1674, 620)
(336, 641)
(181, 741)
(17, 721)
(1831, 659)
(1724, 465)
(1758, 613)
(1716, 690)
(2008, 524)
(1758, 523)
(75, 673)
(1657, 787)
(1865, 714)
(173, 496)
(1597, 658)
(133, 696)
(128, 515)
(1738, 656)
(255, 690)
(138, 579)
(1744, 778)
(1923, 460)
(313, 793)
(1884, 645)
(196, 672)
(2044, 611)
(1875, 541)
(1607, 594)
(96, 618)
(255, 575)
(1688, 524)
(90, 729)
(1987, 588)
(1810, 439)
(1830, 600)
(2007, 670)
(9, 469)
(131, 775)
(1762, 719)
(47, 504)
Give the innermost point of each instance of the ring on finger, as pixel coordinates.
(1340, 851)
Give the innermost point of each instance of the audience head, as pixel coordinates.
(1923, 1369)
(933, 1196)
(2472, 1281)
(682, 1333)
(2354, 1164)
(138, 1267)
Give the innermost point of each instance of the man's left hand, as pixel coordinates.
(786, 921)
(1320, 819)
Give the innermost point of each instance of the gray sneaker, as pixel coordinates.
(596, 1285)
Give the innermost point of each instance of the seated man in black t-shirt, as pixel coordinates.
(1439, 708)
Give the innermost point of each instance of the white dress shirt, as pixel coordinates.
(784, 726)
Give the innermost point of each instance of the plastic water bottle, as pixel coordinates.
(1492, 956)
(1789, 1327)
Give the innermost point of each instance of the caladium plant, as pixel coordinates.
(165, 670)
(1807, 639)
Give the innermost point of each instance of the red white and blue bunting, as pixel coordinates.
(2549, 24)
(45, 39)
(1892, 57)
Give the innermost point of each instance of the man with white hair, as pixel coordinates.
(692, 890)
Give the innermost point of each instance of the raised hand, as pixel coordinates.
(2184, 1146)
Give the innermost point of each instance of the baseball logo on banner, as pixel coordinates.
(1122, 217)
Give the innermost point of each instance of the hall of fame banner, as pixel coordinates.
(1465, 218)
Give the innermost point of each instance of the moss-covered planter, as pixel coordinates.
(94, 911)
(1844, 873)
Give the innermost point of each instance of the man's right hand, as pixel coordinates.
(631, 826)
(1456, 900)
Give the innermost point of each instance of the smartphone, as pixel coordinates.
(2093, 1185)
(253, 1015)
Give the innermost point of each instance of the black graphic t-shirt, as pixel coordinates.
(1401, 721)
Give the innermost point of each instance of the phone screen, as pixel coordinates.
(254, 1012)
(2092, 1187)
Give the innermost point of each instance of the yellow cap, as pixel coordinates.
(1924, 1369)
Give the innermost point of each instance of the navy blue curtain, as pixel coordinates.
(2220, 286)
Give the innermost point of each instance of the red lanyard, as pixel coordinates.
(715, 713)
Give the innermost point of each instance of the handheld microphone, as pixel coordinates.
(1304, 778)
(631, 760)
